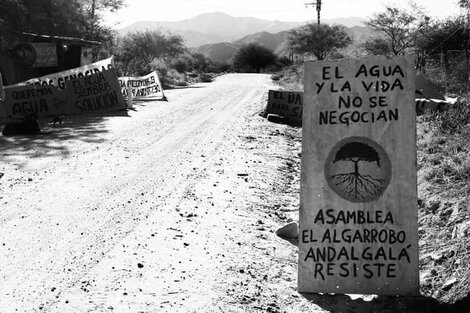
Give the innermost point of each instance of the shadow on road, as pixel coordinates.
(52, 140)
(386, 304)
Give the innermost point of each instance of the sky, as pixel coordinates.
(283, 10)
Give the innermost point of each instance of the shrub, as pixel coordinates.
(180, 65)
(253, 57)
(455, 119)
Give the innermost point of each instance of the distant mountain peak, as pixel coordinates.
(215, 13)
(346, 21)
(212, 27)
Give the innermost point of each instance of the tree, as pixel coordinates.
(191, 62)
(355, 185)
(254, 56)
(136, 51)
(464, 4)
(60, 17)
(377, 46)
(200, 63)
(441, 38)
(319, 40)
(449, 34)
(182, 64)
(401, 27)
(94, 10)
(77, 18)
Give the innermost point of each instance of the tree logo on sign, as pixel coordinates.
(358, 169)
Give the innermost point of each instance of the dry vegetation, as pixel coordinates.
(443, 148)
(291, 78)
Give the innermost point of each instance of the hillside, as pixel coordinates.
(218, 52)
(277, 42)
(218, 35)
(271, 41)
(191, 37)
(217, 27)
(224, 51)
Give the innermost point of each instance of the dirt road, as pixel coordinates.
(168, 208)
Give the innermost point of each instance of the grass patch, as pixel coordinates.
(444, 149)
(290, 78)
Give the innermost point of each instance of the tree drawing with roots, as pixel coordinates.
(356, 186)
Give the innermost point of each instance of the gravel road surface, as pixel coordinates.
(170, 207)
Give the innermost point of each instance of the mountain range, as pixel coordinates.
(218, 35)
(212, 28)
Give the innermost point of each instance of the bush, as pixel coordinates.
(135, 52)
(218, 67)
(253, 57)
(180, 65)
(451, 78)
(206, 78)
(284, 61)
(161, 68)
(291, 78)
(168, 76)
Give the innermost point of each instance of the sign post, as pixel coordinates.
(358, 218)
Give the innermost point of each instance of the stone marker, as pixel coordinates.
(288, 104)
(358, 228)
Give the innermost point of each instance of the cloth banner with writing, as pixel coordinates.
(98, 92)
(58, 79)
(144, 87)
(41, 100)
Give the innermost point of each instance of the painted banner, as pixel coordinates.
(46, 54)
(60, 78)
(358, 213)
(41, 100)
(148, 86)
(287, 104)
(98, 92)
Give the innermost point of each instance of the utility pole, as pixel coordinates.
(468, 39)
(318, 5)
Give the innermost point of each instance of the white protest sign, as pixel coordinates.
(58, 79)
(358, 216)
(287, 104)
(148, 86)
